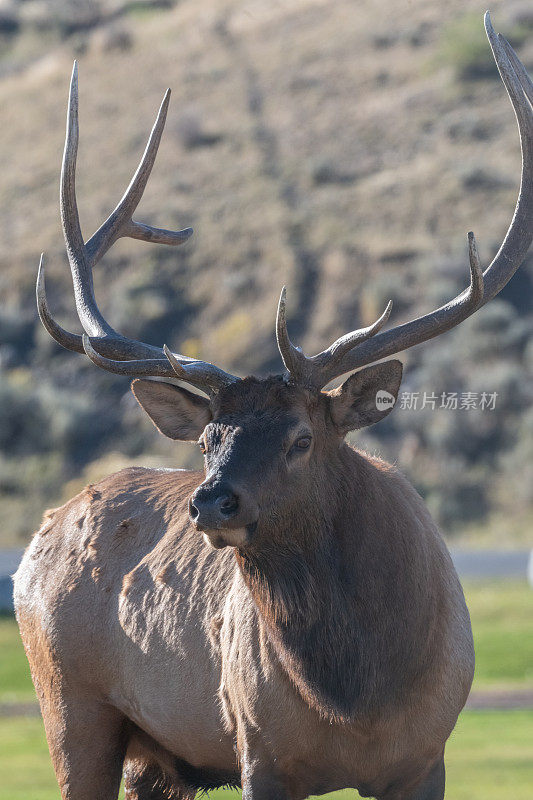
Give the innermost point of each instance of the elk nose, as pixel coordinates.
(211, 509)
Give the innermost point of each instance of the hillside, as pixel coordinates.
(342, 149)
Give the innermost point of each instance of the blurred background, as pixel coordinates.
(343, 149)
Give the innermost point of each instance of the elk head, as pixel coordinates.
(268, 443)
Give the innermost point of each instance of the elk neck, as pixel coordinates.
(317, 579)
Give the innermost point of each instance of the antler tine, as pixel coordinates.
(313, 370)
(294, 360)
(102, 343)
(523, 77)
(483, 287)
(83, 257)
(70, 341)
(88, 311)
(345, 343)
(120, 222)
(520, 234)
(73, 341)
(108, 340)
(155, 367)
(201, 374)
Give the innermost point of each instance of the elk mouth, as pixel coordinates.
(231, 537)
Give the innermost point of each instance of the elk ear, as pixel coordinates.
(176, 412)
(366, 396)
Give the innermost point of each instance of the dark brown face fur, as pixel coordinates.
(261, 449)
(272, 448)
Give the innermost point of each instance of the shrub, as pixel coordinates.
(464, 47)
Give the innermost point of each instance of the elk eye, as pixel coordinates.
(302, 443)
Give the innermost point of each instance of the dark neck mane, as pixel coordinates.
(334, 598)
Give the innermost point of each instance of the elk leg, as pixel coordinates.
(261, 783)
(87, 741)
(149, 772)
(431, 788)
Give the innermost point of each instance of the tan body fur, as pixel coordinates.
(122, 603)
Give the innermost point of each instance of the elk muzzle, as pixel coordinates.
(226, 514)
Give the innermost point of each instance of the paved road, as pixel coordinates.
(492, 563)
(9, 561)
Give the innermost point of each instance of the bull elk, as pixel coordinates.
(289, 619)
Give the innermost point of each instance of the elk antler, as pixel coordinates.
(364, 346)
(104, 346)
